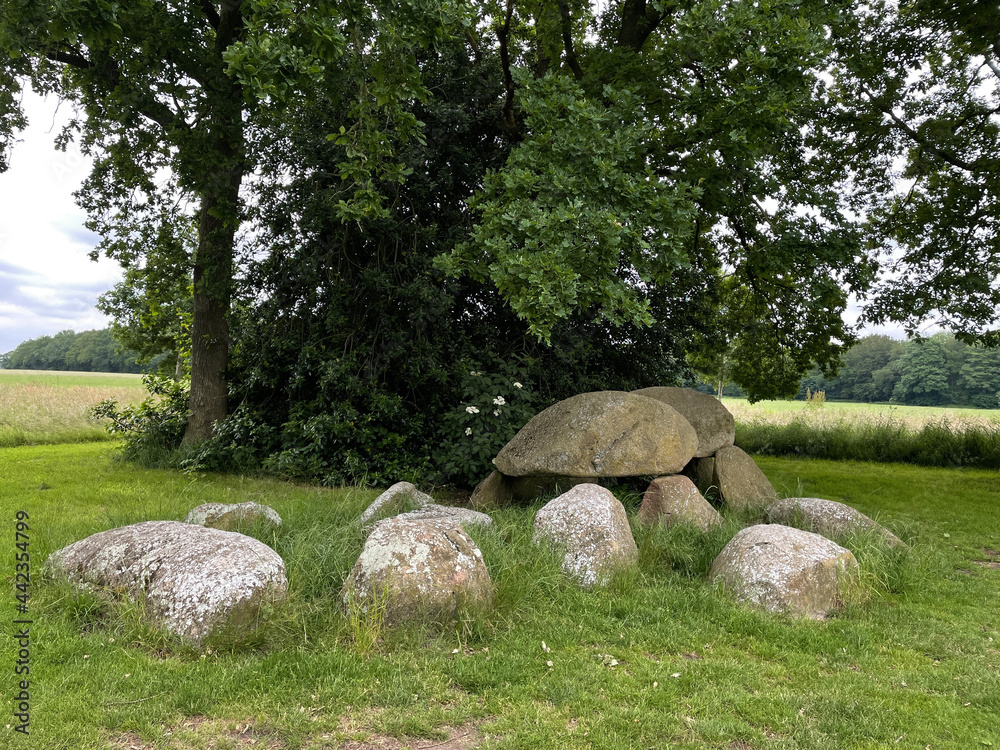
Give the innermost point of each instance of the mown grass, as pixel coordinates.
(656, 659)
(923, 436)
(47, 408)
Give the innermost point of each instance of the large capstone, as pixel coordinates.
(196, 581)
(602, 434)
(588, 526)
(418, 570)
(712, 421)
(739, 480)
(827, 517)
(781, 569)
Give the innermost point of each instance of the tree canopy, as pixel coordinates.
(387, 197)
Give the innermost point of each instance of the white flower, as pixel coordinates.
(499, 401)
(472, 409)
(518, 385)
(468, 430)
(496, 412)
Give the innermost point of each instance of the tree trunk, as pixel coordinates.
(213, 274)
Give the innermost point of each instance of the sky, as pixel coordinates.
(47, 281)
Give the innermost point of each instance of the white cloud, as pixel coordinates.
(47, 281)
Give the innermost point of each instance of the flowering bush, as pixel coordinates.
(494, 407)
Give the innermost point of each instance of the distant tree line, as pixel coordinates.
(937, 371)
(87, 351)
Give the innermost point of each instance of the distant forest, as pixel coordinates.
(87, 351)
(937, 371)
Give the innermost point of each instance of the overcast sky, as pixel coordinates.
(47, 281)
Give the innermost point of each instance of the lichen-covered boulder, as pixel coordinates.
(400, 498)
(416, 570)
(458, 516)
(739, 480)
(781, 569)
(711, 420)
(602, 434)
(827, 517)
(589, 527)
(197, 582)
(233, 516)
(675, 499)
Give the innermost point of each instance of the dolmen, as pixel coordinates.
(197, 582)
(658, 432)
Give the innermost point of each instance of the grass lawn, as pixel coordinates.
(657, 659)
(53, 407)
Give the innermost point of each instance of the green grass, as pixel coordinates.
(656, 659)
(47, 408)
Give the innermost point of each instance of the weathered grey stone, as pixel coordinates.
(741, 483)
(602, 434)
(399, 498)
(712, 421)
(458, 516)
(589, 526)
(827, 517)
(500, 491)
(493, 492)
(196, 581)
(701, 471)
(675, 499)
(233, 516)
(781, 569)
(418, 569)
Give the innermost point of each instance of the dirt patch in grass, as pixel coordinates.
(459, 738)
(991, 564)
(201, 732)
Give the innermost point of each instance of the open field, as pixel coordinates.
(914, 417)
(47, 407)
(658, 659)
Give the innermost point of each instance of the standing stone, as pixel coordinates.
(492, 492)
(196, 581)
(589, 526)
(831, 519)
(701, 471)
(781, 569)
(399, 498)
(741, 483)
(711, 420)
(675, 499)
(602, 434)
(416, 570)
(233, 516)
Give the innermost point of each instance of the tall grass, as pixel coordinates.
(50, 410)
(875, 437)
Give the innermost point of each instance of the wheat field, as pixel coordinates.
(46, 407)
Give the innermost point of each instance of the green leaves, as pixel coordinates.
(575, 221)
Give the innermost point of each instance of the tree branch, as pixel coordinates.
(503, 36)
(567, 35)
(69, 58)
(638, 22)
(211, 13)
(902, 125)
